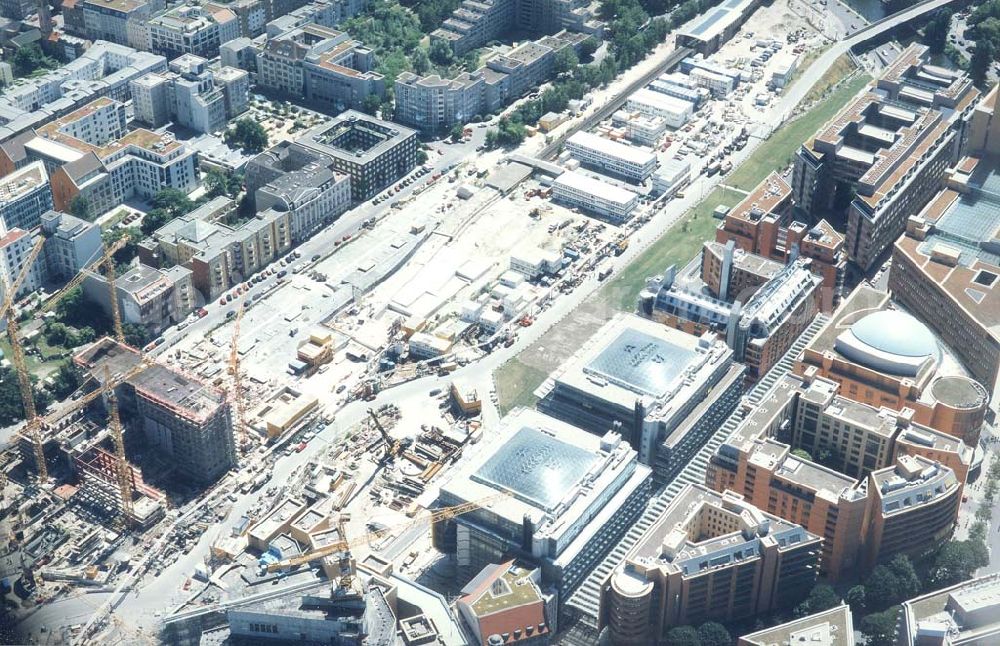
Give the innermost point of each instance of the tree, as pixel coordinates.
(80, 207)
(65, 380)
(154, 220)
(880, 627)
(856, 598)
(457, 132)
(802, 453)
(248, 134)
(135, 335)
(421, 156)
(218, 183)
(907, 581)
(821, 597)
(982, 58)
(174, 201)
(683, 636)
(29, 58)
(440, 52)
(11, 404)
(371, 104)
(588, 47)
(565, 60)
(711, 633)
(420, 61)
(957, 561)
(936, 31)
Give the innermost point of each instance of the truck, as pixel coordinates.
(604, 269)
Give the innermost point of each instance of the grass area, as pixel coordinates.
(841, 69)
(36, 366)
(113, 221)
(516, 383)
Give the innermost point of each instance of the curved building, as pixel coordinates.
(889, 341)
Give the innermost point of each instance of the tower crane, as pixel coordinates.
(237, 387)
(122, 469)
(116, 315)
(393, 447)
(438, 515)
(33, 424)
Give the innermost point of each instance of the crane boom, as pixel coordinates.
(389, 442)
(445, 513)
(116, 315)
(237, 389)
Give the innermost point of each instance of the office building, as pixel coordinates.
(239, 53)
(507, 599)
(899, 501)
(945, 268)
(192, 29)
(674, 111)
(885, 357)
(890, 147)
(104, 70)
(632, 163)
(640, 129)
(716, 26)
(88, 153)
(680, 86)
(595, 196)
(661, 389)
(762, 224)
(325, 13)
(553, 490)
(70, 244)
(187, 422)
(303, 184)
(24, 195)
(372, 152)
(717, 80)
(150, 297)
(709, 557)
(191, 95)
(833, 627)
(965, 614)
(325, 66)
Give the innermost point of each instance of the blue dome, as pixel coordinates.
(895, 332)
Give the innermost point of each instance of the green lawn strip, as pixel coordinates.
(516, 384)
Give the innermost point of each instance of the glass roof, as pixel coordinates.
(536, 468)
(640, 362)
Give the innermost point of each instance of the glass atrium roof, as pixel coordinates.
(640, 362)
(536, 468)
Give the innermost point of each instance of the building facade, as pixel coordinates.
(25, 195)
(192, 29)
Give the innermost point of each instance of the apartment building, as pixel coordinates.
(891, 147)
(632, 163)
(709, 557)
(15, 246)
(24, 195)
(89, 153)
(433, 105)
(219, 255)
(595, 196)
(861, 519)
(303, 184)
(887, 358)
(150, 297)
(104, 70)
(192, 95)
(251, 15)
(323, 65)
(70, 244)
(945, 268)
(116, 21)
(325, 13)
(476, 22)
(372, 152)
(192, 29)
(762, 224)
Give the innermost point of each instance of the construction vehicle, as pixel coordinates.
(393, 447)
(620, 246)
(436, 516)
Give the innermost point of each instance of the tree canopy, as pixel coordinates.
(248, 135)
(29, 59)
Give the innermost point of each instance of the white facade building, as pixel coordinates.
(601, 198)
(656, 104)
(634, 163)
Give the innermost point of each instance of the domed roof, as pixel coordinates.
(888, 341)
(896, 333)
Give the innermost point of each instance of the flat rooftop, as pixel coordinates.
(22, 181)
(633, 154)
(834, 627)
(595, 187)
(356, 137)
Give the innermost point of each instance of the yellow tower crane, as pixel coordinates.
(237, 387)
(33, 426)
(122, 469)
(116, 315)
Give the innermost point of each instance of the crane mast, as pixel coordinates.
(122, 469)
(237, 386)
